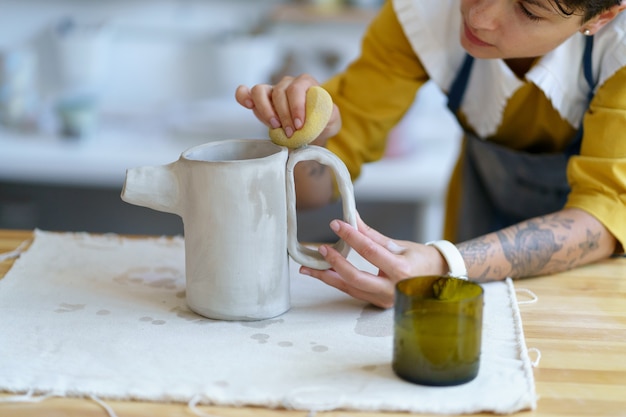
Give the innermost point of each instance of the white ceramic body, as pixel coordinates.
(233, 198)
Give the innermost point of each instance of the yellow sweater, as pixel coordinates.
(380, 86)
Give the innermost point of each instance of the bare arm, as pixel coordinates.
(539, 246)
(543, 245)
(314, 185)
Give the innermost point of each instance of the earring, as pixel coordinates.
(587, 32)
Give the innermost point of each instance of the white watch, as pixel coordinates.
(453, 257)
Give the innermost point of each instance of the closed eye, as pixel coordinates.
(527, 13)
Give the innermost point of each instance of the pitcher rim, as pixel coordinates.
(263, 142)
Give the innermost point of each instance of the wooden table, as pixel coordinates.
(578, 325)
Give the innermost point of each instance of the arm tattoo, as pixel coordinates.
(541, 245)
(475, 251)
(590, 244)
(530, 246)
(528, 249)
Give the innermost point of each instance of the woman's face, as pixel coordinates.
(514, 28)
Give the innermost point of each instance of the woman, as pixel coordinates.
(539, 87)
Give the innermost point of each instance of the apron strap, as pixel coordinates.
(574, 147)
(459, 85)
(501, 186)
(588, 66)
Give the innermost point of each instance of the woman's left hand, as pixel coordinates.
(395, 259)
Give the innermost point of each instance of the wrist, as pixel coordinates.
(452, 256)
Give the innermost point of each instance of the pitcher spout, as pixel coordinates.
(155, 187)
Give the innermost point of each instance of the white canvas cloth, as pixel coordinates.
(86, 315)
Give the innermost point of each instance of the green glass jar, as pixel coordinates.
(437, 330)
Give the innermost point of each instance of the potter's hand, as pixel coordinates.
(396, 260)
(283, 105)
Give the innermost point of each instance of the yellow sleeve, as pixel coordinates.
(598, 175)
(375, 91)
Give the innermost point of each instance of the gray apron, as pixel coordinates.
(502, 186)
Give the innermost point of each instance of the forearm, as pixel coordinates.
(539, 246)
(314, 185)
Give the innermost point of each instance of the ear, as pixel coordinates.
(598, 22)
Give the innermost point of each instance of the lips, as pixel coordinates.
(473, 38)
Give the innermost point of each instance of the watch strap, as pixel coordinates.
(451, 254)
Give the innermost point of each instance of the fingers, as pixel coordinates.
(282, 105)
(289, 98)
(243, 97)
(261, 96)
(384, 241)
(358, 284)
(375, 247)
(394, 259)
(258, 99)
(353, 276)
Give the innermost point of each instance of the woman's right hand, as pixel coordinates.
(283, 105)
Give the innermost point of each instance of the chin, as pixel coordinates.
(480, 52)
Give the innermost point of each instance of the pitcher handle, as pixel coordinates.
(301, 254)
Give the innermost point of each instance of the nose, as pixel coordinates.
(485, 14)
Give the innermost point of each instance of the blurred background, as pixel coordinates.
(89, 88)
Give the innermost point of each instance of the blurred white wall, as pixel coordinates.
(182, 59)
(151, 51)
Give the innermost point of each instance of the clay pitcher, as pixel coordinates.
(237, 202)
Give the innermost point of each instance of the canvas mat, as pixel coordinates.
(86, 315)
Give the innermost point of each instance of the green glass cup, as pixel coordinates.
(437, 330)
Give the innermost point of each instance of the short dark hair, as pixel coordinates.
(586, 8)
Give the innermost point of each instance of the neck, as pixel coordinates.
(520, 66)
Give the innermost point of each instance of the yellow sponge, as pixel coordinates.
(319, 107)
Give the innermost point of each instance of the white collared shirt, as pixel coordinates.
(433, 29)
